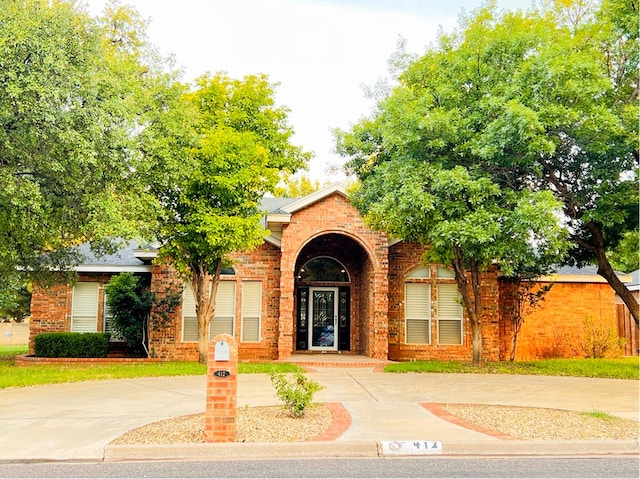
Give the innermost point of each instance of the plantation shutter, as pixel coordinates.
(251, 311)
(84, 314)
(449, 315)
(189, 318)
(417, 313)
(222, 321)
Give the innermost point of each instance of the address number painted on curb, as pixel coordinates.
(411, 448)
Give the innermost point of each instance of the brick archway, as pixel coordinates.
(364, 293)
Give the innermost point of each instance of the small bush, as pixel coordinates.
(600, 341)
(297, 393)
(71, 345)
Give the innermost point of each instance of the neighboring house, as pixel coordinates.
(322, 282)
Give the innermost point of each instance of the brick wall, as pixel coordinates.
(51, 307)
(557, 327)
(260, 264)
(405, 257)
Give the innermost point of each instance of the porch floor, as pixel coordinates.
(332, 360)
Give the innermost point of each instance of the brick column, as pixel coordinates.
(222, 390)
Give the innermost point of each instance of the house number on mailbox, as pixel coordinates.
(221, 373)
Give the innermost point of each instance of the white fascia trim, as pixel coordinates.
(111, 268)
(282, 218)
(337, 187)
(273, 240)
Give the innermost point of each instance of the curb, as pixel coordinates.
(336, 449)
(240, 450)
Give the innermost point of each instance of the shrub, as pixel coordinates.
(71, 345)
(600, 341)
(297, 393)
(129, 303)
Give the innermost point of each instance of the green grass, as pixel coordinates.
(603, 416)
(13, 376)
(620, 368)
(12, 350)
(268, 368)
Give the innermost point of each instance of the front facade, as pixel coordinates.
(322, 282)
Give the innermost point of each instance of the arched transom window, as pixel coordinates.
(323, 269)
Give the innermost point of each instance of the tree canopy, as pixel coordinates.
(73, 105)
(468, 221)
(543, 100)
(234, 146)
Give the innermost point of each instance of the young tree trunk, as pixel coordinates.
(205, 287)
(471, 300)
(514, 342)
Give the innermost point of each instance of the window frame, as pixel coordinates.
(416, 319)
(185, 318)
(95, 316)
(432, 275)
(459, 318)
(252, 317)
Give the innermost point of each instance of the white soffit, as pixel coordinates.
(112, 268)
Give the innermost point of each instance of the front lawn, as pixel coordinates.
(618, 368)
(13, 376)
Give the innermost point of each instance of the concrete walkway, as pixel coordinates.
(77, 421)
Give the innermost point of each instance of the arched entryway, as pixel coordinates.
(332, 296)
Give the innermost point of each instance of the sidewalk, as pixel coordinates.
(77, 421)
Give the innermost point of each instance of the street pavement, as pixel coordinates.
(77, 421)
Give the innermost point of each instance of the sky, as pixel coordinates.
(320, 52)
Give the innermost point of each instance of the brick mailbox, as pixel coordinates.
(222, 390)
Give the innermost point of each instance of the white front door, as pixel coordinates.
(323, 311)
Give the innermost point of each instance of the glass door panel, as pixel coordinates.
(323, 314)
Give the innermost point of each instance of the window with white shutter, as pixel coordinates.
(84, 308)
(189, 318)
(223, 318)
(251, 311)
(222, 321)
(417, 313)
(449, 315)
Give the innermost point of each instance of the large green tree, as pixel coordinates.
(544, 100)
(72, 107)
(227, 145)
(468, 221)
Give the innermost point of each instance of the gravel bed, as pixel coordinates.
(275, 424)
(253, 424)
(538, 423)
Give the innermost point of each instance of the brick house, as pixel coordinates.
(323, 282)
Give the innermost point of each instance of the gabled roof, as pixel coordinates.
(279, 213)
(316, 196)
